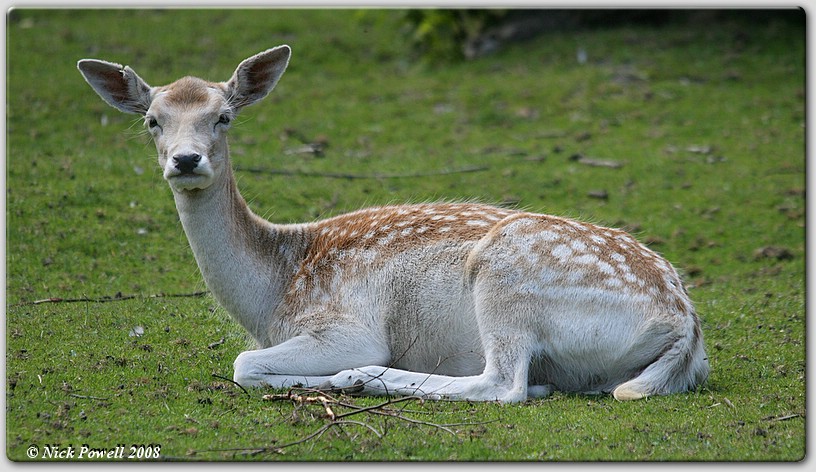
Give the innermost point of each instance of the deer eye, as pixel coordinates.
(224, 119)
(153, 123)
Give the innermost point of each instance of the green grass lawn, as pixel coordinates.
(706, 122)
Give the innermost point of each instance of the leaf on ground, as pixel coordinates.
(314, 147)
(592, 162)
(583, 136)
(693, 271)
(528, 113)
(700, 149)
(773, 252)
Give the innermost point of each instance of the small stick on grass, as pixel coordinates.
(231, 381)
(115, 298)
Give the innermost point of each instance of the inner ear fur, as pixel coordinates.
(256, 76)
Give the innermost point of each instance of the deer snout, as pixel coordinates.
(187, 170)
(186, 163)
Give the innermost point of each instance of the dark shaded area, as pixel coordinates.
(662, 17)
(473, 33)
(549, 20)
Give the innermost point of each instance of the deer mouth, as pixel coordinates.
(195, 179)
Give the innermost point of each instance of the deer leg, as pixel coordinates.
(302, 360)
(504, 378)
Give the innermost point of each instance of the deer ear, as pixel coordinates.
(118, 85)
(257, 76)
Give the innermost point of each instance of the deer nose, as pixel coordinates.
(185, 163)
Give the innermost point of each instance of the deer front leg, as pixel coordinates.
(504, 379)
(303, 360)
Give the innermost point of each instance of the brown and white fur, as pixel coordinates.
(447, 300)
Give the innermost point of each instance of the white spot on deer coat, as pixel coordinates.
(562, 252)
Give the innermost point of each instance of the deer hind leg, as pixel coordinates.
(682, 367)
(540, 391)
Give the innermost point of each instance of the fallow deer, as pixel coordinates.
(446, 300)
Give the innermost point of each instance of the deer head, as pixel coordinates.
(189, 118)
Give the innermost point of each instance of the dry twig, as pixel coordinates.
(115, 298)
(230, 380)
(304, 397)
(337, 175)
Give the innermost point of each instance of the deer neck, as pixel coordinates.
(245, 260)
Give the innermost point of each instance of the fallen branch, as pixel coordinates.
(116, 298)
(302, 400)
(303, 397)
(337, 175)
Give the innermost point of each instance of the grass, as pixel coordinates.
(706, 119)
